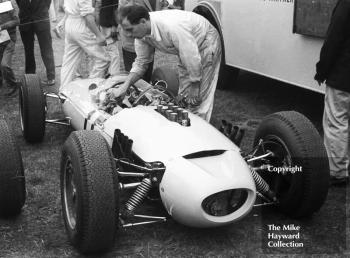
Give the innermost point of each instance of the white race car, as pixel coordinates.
(147, 146)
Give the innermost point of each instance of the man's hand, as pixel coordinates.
(193, 95)
(117, 92)
(100, 40)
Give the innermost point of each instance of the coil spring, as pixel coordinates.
(260, 183)
(138, 196)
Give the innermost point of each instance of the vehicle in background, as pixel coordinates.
(280, 39)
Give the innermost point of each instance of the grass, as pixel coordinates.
(39, 231)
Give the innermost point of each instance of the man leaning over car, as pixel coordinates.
(186, 34)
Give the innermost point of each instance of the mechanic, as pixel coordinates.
(128, 47)
(8, 22)
(333, 68)
(186, 34)
(105, 18)
(34, 18)
(82, 35)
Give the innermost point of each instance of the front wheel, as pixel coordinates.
(89, 192)
(32, 108)
(12, 181)
(300, 177)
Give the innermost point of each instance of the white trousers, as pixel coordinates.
(336, 130)
(112, 50)
(210, 52)
(80, 39)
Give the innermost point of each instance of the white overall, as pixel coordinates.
(197, 44)
(80, 39)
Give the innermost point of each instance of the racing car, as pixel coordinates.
(148, 145)
(12, 180)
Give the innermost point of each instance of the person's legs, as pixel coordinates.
(211, 58)
(52, 12)
(43, 33)
(101, 59)
(6, 64)
(336, 130)
(71, 59)
(27, 36)
(112, 50)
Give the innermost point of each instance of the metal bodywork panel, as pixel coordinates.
(187, 180)
(258, 37)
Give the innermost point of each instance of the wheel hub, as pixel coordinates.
(70, 195)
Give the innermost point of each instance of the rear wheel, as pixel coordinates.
(302, 189)
(89, 192)
(12, 181)
(32, 108)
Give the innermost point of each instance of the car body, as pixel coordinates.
(198, 172)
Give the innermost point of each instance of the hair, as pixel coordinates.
(133, 13)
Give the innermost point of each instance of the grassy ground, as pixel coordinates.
(39, 230)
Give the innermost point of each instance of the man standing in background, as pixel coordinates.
(8, 23)
(82, 36)
(105, 19)
(334, 69)
(34, 18)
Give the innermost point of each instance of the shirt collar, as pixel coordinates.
(155, 33)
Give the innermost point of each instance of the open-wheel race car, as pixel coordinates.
(12, 180)
(146, 146)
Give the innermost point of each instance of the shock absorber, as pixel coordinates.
(262, 186)
(138, 196)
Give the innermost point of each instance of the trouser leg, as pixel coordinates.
(72, 57)
(28, 43)
(112, 50)
(6, 64)
(336, 130)
(211, 58)
(43, 34)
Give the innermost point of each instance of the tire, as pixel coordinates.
(89, 192)
(12, 181)
(169, 75)
(32, 108)
(295, 141)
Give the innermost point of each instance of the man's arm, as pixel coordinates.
(87, 12)
(121, 90)
(14, 21)
(334, 39)
(145, 55)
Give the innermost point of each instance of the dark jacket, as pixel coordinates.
(106, 14)
(34, 10)
(334, 64)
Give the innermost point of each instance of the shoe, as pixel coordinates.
(338, 181)
(49, 82)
